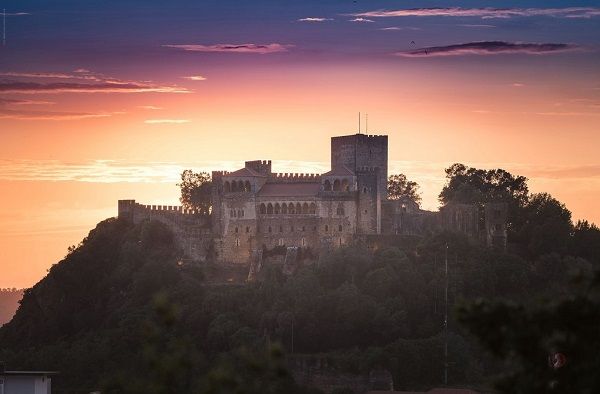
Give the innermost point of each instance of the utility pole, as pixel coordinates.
(446, 324)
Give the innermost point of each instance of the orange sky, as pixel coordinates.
(133, 118)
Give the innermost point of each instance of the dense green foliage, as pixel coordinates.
(196, 191)
(549, 348)
(399, 187)
(94, 317)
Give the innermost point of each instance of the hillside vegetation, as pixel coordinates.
(124, 296)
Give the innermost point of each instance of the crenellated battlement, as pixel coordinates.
(135, 211)
(294, 177)
(167, 208)
(216, 174)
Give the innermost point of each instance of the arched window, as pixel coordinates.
(298, 208)
(305, 208)
(240, 186)
(345, 186)
(240, 213)
(291, 209)
(284, 209)
(263, 209)
(277, 209)
(269, 209)
(364, 190)
(270, 229)
(247, 186)
(280, 229)
(234, 213)
(327, 185)
(313, 208)
(247, 229)
(236, 230)
(340, 227)
(340, 209)
(227, 187)
(336, 185)
(234, 186)
(326, 228)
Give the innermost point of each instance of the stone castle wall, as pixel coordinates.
(191, 229)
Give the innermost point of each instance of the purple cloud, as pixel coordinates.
(489, 48)
(234, 48)
(569, 12)
(104, 87)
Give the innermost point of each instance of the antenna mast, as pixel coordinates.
(367, 124)
(359, 123)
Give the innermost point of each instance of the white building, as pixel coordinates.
(26, 382)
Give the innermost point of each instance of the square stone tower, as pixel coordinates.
(366, 156)
(361, 151)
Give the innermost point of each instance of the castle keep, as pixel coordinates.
(254, 209)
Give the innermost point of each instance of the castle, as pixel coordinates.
(254, 209)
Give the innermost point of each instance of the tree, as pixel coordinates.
(550, 348)
(585, 241)
(472, 185)
(196, 191)
(399, 187)
(546, 225)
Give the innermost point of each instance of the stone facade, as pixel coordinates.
(256, 210)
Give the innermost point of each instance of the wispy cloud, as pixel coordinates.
(477, 26)
(17, 13)
(80, 81)
(50, 115)
(314, 19)
(569, 12)
(51, 75)
(398, 28)
(234, 48)
(166, 121)
(361, 20)
(517, 84)
(490, 48)
(7, 101)
(195, 78)
(104, 87)
(149, 107)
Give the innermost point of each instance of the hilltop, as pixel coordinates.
(97, 312)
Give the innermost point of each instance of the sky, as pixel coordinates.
(108, 100)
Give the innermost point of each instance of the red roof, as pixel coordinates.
(304, 189)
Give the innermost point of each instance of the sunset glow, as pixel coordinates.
(100, 103)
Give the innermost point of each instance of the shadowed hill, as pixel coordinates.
(96, 318)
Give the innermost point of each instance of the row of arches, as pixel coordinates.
(337, 185)
(237, 186)
(236, 213)
(288, 209)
